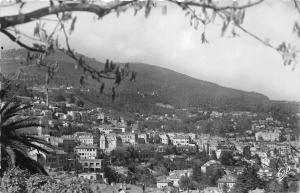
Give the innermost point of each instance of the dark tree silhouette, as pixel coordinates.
(15, 144)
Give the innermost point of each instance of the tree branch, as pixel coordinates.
(95, 73)
(14, 39)
(214, 6)
(297, 6)
(255, 37)
(8, 21)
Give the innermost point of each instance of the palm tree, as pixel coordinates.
(15, 143)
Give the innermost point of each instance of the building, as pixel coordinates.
(165, 139)
(113, 141)
(92, 165)
(88, 139)
(55, 159)
(176, 175)
(91, 176)
(181, 140)
(163, 183)
(265, 173)
(210, 164)
(87, 151)
(227, 180)
(216, 114)
(103, 142)
(68, 145)
(267, 136)
(143, 137)
(130, 138)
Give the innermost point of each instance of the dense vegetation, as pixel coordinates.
(153, 85)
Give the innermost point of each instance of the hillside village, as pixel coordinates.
(91, 144)
(130, 96)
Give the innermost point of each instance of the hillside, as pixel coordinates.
(154, 85)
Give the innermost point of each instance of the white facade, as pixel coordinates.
(87, 139)
(87, 152)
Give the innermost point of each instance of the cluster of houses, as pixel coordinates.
(83, 152)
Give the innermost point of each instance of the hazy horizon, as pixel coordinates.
(169, 41)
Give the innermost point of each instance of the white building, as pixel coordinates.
(87, 151)
(87, 139)
(267, 136)
(181, 140)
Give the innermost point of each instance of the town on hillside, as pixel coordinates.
(91, 144)
(149, 96)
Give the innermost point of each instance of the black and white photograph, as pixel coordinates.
(150, 96)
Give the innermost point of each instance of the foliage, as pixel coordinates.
(13, 181)
(205, 179)
(247, 181)
(184, 183)
(111, 175)
(124, 156)
(59, 98)
(20, 181)
(225, 188)
(142, 175)
(226, 158)
(15, 144)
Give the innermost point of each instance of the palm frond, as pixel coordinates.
(21, 125)
(7, 103)
(37, 143)
(15, 144)
(25, 162)
(14, 123)
(12, 108)
(11, 154)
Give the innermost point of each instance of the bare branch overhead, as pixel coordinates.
(99, 10)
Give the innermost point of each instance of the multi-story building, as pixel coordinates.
(66, 142)
(113, 141)
(181, 140)
(88, 139)
(129, 138)
(92, 165)
(267, 136)
(87, 151)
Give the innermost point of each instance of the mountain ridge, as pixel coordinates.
(154, 85)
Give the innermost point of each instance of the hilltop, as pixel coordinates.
(154, 85)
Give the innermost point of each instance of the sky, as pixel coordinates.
(169, 41)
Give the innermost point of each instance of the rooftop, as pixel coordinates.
(86, 146)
